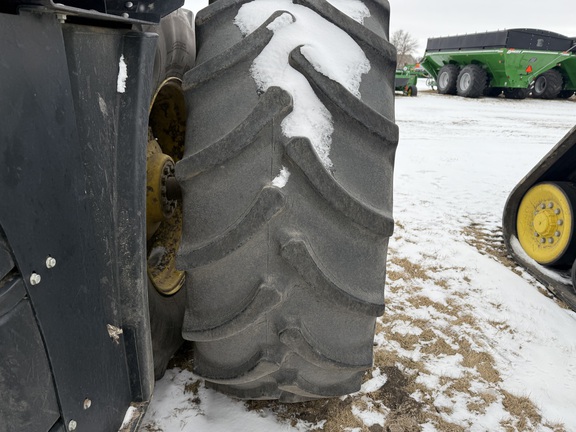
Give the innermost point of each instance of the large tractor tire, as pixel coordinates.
(175, 54)
(285, 273)
(448, 79)
(471, 81)
(547, 85)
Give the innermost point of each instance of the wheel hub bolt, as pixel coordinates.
(550, 205)
(557, 233)
(560, 222)
(550, 240)
(557, 211)
(542, 240)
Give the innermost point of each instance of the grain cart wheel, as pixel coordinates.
(545, 223)
(515, 93)
(547, 85)
(471, 81)
(175, 54)
(447, 79)
(284, 245)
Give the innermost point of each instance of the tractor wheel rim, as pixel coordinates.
(465, 81)
(443, 80)
(167, 125)
(544, 223)
(540, 85)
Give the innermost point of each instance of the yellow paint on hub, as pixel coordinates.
(544, 223)
(166, 140)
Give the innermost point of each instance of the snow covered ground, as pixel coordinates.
(468, 341)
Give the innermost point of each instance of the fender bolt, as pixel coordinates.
(35, 279)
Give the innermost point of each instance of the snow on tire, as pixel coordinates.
(287, 219)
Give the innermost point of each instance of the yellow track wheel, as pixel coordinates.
(545, 223)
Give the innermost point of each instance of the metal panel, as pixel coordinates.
(529, 39)
(135, 11)
(46, 211)
(28, 397)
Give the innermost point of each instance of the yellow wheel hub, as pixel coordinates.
(167, 126)
(544, 223)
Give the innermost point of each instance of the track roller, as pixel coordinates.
(545, 223)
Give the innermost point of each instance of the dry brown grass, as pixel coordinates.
(439, 347)
(336, 413)
(479, 360)
(489, 242)
(527, 416)
(152, 427)
(444, 425)
(421, 302)
(410, 270)
(192, 387)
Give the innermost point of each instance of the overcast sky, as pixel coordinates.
(424, 19)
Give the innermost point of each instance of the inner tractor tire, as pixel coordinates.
(175, 54)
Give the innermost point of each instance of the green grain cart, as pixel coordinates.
(405, 81)
(515, 62)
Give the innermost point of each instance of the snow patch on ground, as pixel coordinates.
(329, 49)
(177, 407)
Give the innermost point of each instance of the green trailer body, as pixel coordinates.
(510, 59)
(405, 81)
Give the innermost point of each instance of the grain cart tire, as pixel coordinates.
(545, 223)
(175, 54)
(515, 93)
(448, 79)
(412, 91)
(566, 94)
(547, 85)
(471, 81)
(285, 257)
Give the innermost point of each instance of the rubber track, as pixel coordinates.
(284, 284)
